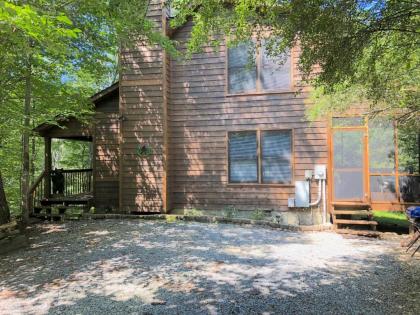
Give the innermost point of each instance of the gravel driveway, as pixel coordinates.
(132, 267)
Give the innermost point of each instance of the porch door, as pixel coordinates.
(349, 149)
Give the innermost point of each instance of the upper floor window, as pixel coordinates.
(252, 70)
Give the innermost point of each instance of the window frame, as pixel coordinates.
(257, 157)
(259, 182)
(258, 84)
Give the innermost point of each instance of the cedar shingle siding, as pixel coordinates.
(186, 107)
(106, 148)
(141, 109)
(201, 115)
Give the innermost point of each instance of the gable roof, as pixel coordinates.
(70, 127)
(105, 92)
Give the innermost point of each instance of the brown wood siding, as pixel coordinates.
(200, 115)
(106, 153)
(141, 109)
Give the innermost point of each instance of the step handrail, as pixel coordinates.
(33, 190)
(37, 182)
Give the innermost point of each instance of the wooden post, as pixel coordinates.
(165, 62)
(48, 166)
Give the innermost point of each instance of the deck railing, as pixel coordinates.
(76, 182)
(37, 191)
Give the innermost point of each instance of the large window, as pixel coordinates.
(252, 70)
(260, 157)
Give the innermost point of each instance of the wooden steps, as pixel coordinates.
(353, 212)
(356, 220)
(358, 232)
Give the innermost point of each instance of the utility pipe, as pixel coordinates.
(316, 202)
(324, 201)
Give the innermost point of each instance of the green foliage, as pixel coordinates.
(258, 215)
(171, 218)
(71, 154)
(193, 212)
(68, 49)
(367, 51)
(230, 212)
(144, 151)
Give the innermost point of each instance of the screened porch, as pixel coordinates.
(375, 162)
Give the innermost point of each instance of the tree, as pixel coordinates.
(54, 55)
(367, 51)
(4, 207)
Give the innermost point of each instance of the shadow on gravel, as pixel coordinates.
(151, 267)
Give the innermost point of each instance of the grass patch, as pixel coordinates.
(398, 219)
(170, 218)
(193, 212)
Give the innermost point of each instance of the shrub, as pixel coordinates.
(258, 215)
(230, 212)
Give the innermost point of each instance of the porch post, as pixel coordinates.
(47, 167)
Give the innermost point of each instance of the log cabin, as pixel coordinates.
(212, 133)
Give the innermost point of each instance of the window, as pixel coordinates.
(260, 157)
(276, 156)
(242, 70)
(250, 69)
(243, 157)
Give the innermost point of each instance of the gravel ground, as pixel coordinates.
(131, 267)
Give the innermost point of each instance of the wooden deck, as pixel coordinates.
(76, 190)
(83, 198)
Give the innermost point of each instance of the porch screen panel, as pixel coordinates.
(275, 71)
(243, 159)
(242, 70)
(410, 188)
(276, 156)
(348, 121)
(409, 165)
(408, 152)
(348, 165)
(382, 160)
(381, 147)
(383, 188)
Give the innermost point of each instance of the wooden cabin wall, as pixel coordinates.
(143, 128)
(106, 151)
(200, 115)
(184, 105)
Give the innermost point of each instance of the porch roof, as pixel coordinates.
(65, 128)
(69, 127)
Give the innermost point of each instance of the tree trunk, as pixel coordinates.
(4, 207)
(33, 149)
(25, 143)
